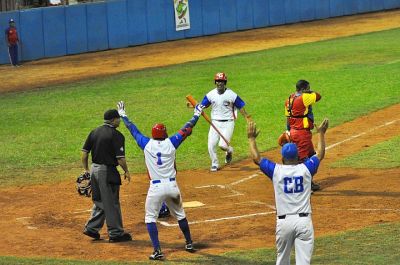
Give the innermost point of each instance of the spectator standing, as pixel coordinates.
(12, 41)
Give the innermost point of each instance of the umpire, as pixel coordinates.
(107, 146)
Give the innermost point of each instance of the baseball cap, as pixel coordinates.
(11, 20)
(289, 151)
(111, 114)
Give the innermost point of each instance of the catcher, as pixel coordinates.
(300, 122)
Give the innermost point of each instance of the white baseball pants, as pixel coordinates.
(163, 190)
(226, 129)
(298, 231)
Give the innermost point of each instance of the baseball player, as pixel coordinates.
(300, 120)
(159, 153)
(292, 187)
(12, 41)
(224, 103)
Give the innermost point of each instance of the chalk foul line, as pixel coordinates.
(164, 223)
(361, 134)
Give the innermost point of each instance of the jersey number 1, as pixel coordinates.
(159, 162)
(293, 185)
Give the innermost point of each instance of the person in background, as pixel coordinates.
(12, 41)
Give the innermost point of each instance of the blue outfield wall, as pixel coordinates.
(117, 24)
(54, 32)
(76, 29)
(57, 31)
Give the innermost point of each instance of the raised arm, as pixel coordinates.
(321, 129)
(140, 139)
(252, 134)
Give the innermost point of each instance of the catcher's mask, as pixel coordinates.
(220, 77)
(84, 185)
(159, 131)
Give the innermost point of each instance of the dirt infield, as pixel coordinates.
(46, 221)
(47, 72)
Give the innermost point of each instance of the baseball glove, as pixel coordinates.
(284, 138)
(83, 184)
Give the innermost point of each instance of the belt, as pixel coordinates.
(159, 180)
(300, 214)
(222, 120)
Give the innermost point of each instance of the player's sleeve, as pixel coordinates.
(267, 167)
(88, 143)
(239, 103)
(287, 114)
(140, 139)
(205, 102)
(184, 132)
(309, 98)
(119, 145)
(312, 164)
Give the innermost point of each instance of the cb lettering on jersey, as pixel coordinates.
(293, 184)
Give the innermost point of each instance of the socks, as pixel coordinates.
(184, 226)
(153, 233)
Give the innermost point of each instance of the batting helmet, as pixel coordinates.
(289, 151)
(220, 77)
(159, 131)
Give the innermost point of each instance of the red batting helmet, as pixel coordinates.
(159, 131)
(220, 77)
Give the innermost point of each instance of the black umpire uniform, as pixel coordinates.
(107, 147)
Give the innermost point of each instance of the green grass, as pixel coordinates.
(377, 245)
(43, 131)
(382, 155)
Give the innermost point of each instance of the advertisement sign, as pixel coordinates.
(182, 19)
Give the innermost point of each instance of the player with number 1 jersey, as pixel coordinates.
(159, 152)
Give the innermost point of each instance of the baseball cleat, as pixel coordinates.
(214, 169)
(157, 255)
(189, 248)
(122, 238)
(228, 158)
(315, 186)
(94, 235)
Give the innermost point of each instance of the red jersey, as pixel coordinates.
(12, 35)
(298, 110)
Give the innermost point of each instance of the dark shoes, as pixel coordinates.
(122, 238)
(214, 169)
(315, 186)
(93, 235)
(157, 255)
(164, 214)
(189, 248)
(228, 158)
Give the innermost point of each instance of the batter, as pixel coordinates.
(224, 103)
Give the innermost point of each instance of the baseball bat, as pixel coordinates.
(205, 116)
